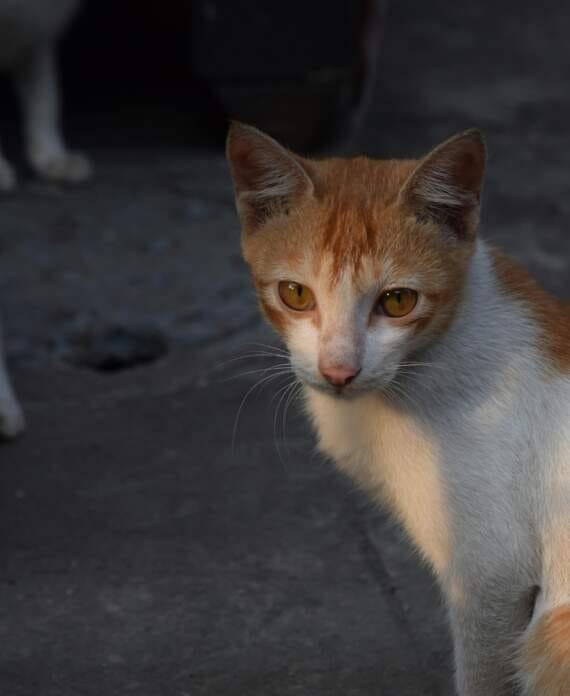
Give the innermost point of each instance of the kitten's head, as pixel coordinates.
(358, 263)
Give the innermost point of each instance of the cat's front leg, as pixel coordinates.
(12, 421)
(37, 85)
(7, 175)
(486, 624)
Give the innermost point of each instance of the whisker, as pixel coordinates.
(268, 346)
(290, 391)
(248, 356)
(270, 350)
(408, 373)
(278, 392)
(260, 382)
(419, 364)
(282, 367)
(284, 392)
(403, 394)
(292, 394)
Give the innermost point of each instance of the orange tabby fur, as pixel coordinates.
(550, 313)
(546, 654)
(356, 216)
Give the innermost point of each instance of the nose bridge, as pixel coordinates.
(340, 342)
(339, 339)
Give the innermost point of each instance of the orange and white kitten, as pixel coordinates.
(29, 31)
(437, 375)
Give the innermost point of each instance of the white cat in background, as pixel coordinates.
(29, 31)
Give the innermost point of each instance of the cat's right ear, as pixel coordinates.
(446, 186)
(268, 179)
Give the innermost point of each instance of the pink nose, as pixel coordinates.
(340, 375)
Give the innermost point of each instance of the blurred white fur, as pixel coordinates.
(29, 31)
(11, 416)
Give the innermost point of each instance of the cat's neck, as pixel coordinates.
(399, 443)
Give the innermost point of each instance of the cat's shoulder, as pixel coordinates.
(550, 314)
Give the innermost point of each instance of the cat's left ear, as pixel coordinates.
(268, 179)
(446, 186)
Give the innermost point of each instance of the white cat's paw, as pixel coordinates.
(12, 421)
(7, 177)
(64, 168)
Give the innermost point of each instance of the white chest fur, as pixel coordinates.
(394, 459)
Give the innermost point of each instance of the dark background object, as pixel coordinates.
(131, 52)
(298, 70)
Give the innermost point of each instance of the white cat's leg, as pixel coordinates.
(11, 416)
(37, 85)
(7, 176)
(486, 626)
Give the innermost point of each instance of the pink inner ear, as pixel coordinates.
(256, 159)
(456, 165)
(266, 176)
(245, 164)
(467, 171)
(446, 186)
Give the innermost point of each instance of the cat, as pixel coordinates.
(12, 421)
(29, 31)
(437, 376)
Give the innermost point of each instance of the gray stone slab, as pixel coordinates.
(145, 554)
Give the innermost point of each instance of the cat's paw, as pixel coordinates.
(12, 421)
(7, 177)
(64, 168)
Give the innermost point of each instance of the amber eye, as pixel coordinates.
(398, 302)
(296, 296)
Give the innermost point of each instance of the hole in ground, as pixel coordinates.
(113, 348)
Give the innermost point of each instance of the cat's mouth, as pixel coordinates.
(345, 392)
(361, 385)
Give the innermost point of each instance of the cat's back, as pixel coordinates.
(25, 23)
